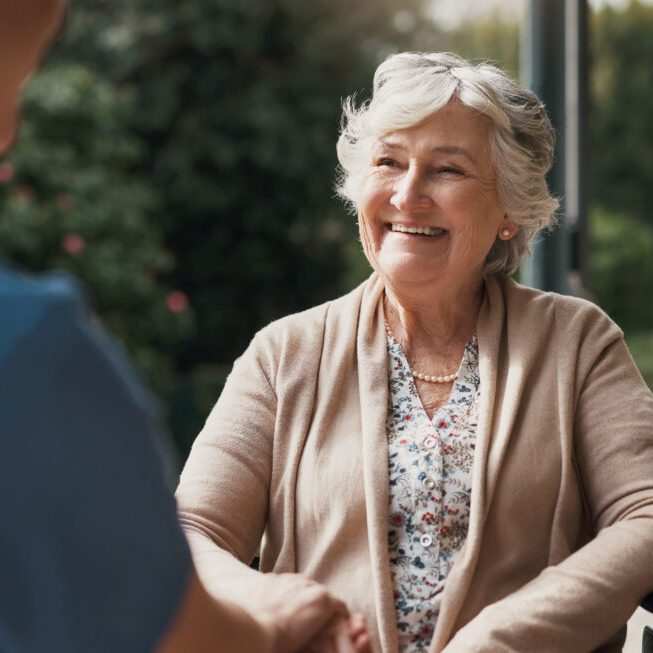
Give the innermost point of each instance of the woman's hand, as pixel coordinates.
(358, 634)
(303, 615)
(343, 636)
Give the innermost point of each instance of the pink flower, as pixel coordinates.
(177, 301)
(6, 172)
(73, 244)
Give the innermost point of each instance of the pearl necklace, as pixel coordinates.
(429, 378)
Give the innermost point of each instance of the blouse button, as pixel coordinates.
(429, 483)
(429, 442)
(426, 540)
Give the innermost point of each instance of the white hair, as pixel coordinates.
(409, 87)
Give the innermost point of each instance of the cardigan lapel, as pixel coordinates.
(493, 436)
(373, 388)
(506, 368)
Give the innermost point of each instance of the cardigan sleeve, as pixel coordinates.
(223, 490)
(583, 602)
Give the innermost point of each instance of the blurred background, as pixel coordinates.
(179, 158)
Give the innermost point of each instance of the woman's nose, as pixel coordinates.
(411, 192)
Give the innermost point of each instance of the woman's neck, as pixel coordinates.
(442, 319)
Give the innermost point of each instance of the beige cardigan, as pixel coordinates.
(295, 450)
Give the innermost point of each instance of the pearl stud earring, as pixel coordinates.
(505, 232)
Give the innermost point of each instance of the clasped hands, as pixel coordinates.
(305, 617)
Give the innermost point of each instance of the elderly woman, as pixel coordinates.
(466, 461)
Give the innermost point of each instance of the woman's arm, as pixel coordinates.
(224, 488)
(224, 493)
(582, 602)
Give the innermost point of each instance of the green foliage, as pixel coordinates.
(494, 40)
(621, 127)
(622, 274)
(621, 169)
(72, 202)
(641, 347)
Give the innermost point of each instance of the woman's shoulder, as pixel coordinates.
(565, 306)
(537, 311)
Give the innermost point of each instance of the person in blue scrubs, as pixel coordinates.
(92, 558)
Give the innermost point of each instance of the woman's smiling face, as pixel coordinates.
(429, 211)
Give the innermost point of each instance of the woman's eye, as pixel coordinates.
(448, 170)
(385, 162)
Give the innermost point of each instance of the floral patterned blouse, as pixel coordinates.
(430, 465)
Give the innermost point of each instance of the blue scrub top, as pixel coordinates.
(91, 554)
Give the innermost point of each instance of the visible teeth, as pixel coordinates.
(426, 231)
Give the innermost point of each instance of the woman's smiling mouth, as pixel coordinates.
(424, 231)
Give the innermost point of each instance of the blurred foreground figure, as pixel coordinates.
(91, 555)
